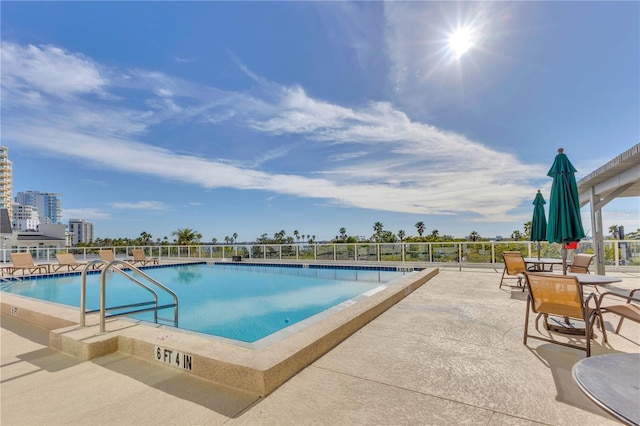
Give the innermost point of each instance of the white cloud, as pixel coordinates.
(85, 213)
(140, 205)
(182, 60)
(48, 69)
(388, 161)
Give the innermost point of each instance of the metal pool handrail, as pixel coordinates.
(103, 309)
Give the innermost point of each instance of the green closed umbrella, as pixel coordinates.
(565, 223)
(539, 221)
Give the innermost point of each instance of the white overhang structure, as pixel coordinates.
(620, 177)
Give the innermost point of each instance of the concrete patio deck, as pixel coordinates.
(451, 352)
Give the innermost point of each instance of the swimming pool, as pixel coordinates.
(240, 302)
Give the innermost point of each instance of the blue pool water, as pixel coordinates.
(239, 302)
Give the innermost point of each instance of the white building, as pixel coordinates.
(38, 243)
(25, 218)
(6, 180)
(81, 231)
(49, 204)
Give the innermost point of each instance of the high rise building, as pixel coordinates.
(81, 231)
(49, 205)
(6, 181)
(25, 218)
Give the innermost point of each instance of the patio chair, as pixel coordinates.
(24, 262)
(580, 263)
(106, 255)
(66, 260)
(109, 256)
(140, 257)
(514, 268)
(630, 309)
(561, 297)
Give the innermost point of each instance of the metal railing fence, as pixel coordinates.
(617, 252)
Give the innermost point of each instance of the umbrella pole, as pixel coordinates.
(538, 250)
(564, 257)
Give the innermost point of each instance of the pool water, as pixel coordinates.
(245, 303)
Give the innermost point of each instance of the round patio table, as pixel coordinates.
(539, 264)
(594, 279)
(612, 382)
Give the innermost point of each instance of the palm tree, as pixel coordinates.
(278, 237)
(435, 233)
(377, 231)
(145, 237)
(401, 235)
(235, 237)
(420, 227)
(343, 233)
(527, 229)
(297, 235)
(186, 236)
(474, 236)
(516, 235)
(613, 230)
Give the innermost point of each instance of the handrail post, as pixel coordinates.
(493, 252)
(83, 289)
(83, 295)
(103, 296)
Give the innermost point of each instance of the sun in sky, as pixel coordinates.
(461, 41)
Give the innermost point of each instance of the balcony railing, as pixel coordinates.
(617, 252)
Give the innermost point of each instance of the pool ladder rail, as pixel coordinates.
(120, 267)
(6, 282)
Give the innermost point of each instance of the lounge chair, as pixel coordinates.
(106, 255)
(67, 259)
(514, 267)
(561, 297)
(24, 262)
(140, 257)
(630, 309)
(109, 256)
(580, 263)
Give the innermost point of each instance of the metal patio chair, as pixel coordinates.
(629, 309)
(580, 263)
(514, 268)
(561, 297)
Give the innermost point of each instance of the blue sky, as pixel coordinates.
(256, 117)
